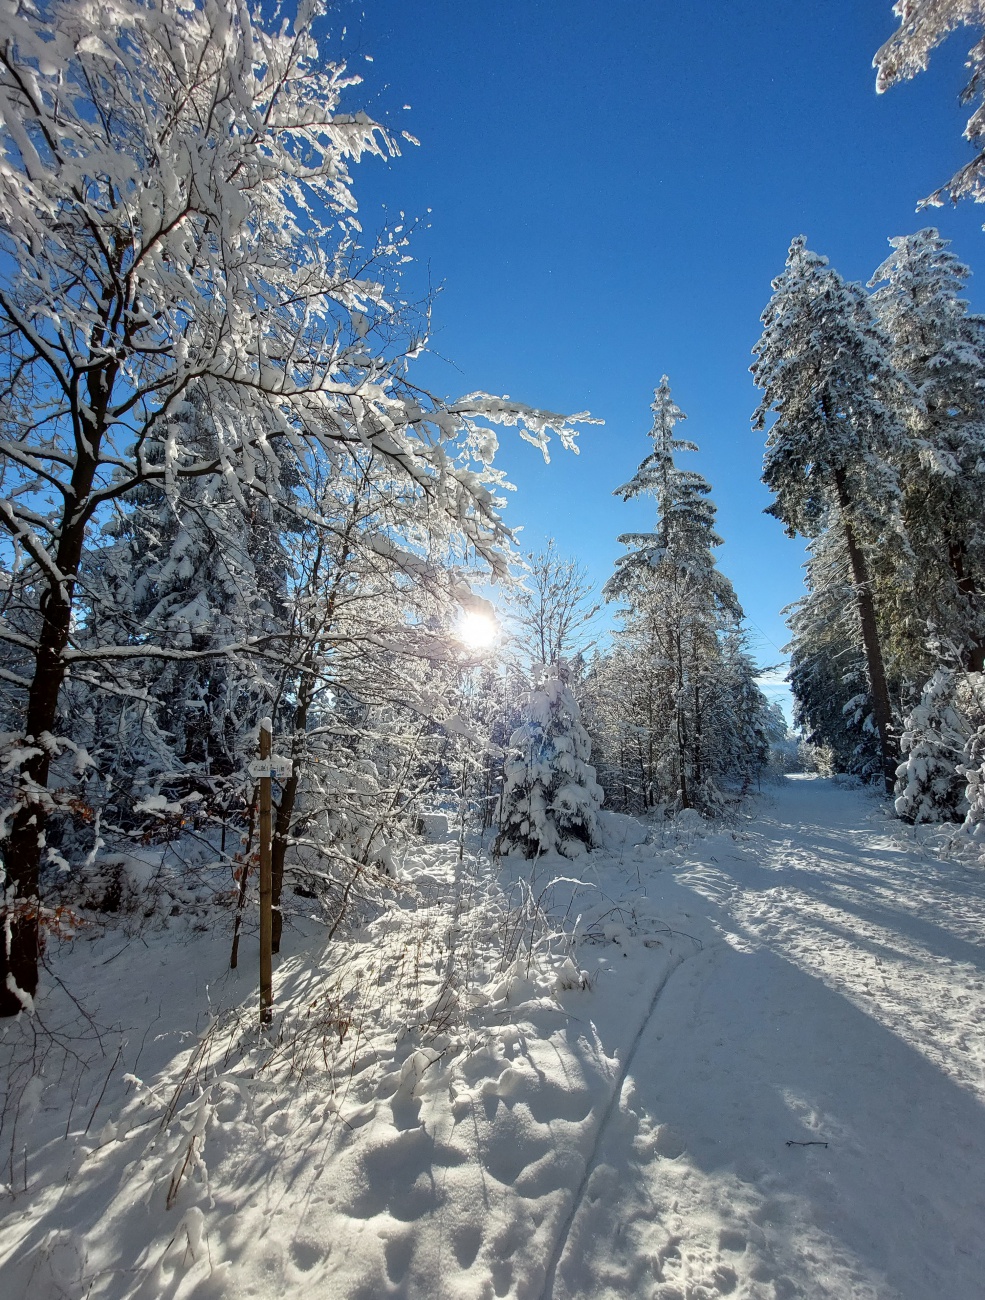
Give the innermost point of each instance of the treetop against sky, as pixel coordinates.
(604, 196)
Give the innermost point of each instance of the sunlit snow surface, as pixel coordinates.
(810, 975)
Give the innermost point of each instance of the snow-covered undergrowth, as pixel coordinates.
(423, 1105)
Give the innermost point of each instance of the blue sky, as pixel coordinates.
(609, 190)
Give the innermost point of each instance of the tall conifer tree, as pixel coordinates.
(826, 373)
(669, 668)
(940, 347)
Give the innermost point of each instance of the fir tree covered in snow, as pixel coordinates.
(924, 24)
(191, 570)
(969, 705)
(827, 663)
(972, 770)
(670, 696)
(827, 376)
(684, 535)
(551, 798)
(938, 587)
(929, 786)
(745, 724)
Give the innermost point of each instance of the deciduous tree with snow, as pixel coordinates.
(550, 610)
(176, 210)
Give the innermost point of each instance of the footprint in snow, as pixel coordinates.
(305, 1255)
(398, 1251)
(670, 1142)
(465, 1243)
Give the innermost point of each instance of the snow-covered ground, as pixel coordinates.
(771, 1085)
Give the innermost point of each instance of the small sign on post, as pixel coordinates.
(263, 774)
(273, 765)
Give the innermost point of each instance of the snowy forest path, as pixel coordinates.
(607, 1114)
(767, 1083)
(803, 1115)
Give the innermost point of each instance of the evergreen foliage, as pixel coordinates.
(189, 572)
(939, 588)
(827, 663)
(928, 784)
(972, 770)
(551, 797)
(827, 376)
(675, 706)
(924, 24)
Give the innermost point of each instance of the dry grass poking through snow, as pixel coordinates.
(154, 1138)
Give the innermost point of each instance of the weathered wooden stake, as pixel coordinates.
(266, 893)
(244, 880)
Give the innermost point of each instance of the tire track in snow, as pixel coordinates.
(562, 1238)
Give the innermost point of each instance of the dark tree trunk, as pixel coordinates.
(306, 696)
(20, 952)
(282, 829)
(862, 588)
(288, 798)
(683, 760)
(20, 911)
(974, 656)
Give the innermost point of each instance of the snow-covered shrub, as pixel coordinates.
(551, 798)
(929, 785)
(971, 702)
(973, 770)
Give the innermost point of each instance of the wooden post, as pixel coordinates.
(244, 878)
(266, 894)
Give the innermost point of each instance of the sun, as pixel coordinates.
(477, 630)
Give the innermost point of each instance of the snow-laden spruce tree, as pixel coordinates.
(745, 725)
(969, 703)
(929, 787)
(672, 713)
(627, 701)
(924, 24)
(827, 376)
(551, 799)
(940, 585)
(972, 770)
(177, 210)
(187, 570)
(684, 539)
(827, 663)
